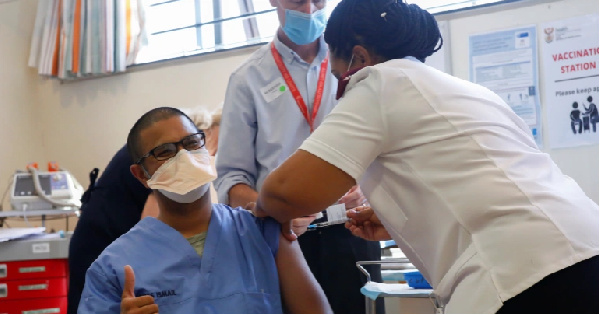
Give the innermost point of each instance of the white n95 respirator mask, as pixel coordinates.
(185, 177)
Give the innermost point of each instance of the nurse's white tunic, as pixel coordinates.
(458, 181)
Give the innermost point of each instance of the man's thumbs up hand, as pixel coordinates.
(130, 304)
(129, 283)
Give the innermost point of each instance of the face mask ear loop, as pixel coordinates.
(350, 64)
(145, 172)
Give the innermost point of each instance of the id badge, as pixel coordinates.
(273, 90)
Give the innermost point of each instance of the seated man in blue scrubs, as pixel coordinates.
(195, 257)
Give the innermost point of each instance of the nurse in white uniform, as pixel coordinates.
(452, 173)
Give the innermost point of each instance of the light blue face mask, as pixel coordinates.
(303, 28)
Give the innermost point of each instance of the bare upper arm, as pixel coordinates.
(300, 290)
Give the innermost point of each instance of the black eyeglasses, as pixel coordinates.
(169, 150)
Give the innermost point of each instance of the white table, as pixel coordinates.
(43, 214)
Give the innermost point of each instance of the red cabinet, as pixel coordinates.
(34, 286)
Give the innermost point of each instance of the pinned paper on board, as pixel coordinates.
(506, 63)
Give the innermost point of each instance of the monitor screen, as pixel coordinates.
(24, 185)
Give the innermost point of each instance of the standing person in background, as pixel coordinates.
(454, 176)
(209, 122)
(109, 209)
(274, 100)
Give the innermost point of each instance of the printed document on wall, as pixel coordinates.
(506, 63)
(570, 56)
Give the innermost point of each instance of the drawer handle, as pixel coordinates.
(33, 287)
(3, 290)
(32, 269)
(3, 271)
(43, 311)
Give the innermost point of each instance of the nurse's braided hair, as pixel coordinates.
(391, 29)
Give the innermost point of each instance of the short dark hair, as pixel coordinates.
(391, 29)
(134, 140)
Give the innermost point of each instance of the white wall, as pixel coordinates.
(82, 124)
(580, 163)
(20, 130)
(86, 122)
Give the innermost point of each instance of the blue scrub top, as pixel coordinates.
(236, 273)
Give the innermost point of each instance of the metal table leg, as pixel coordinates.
(370, 306)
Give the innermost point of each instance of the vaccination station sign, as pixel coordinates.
(570, 65)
